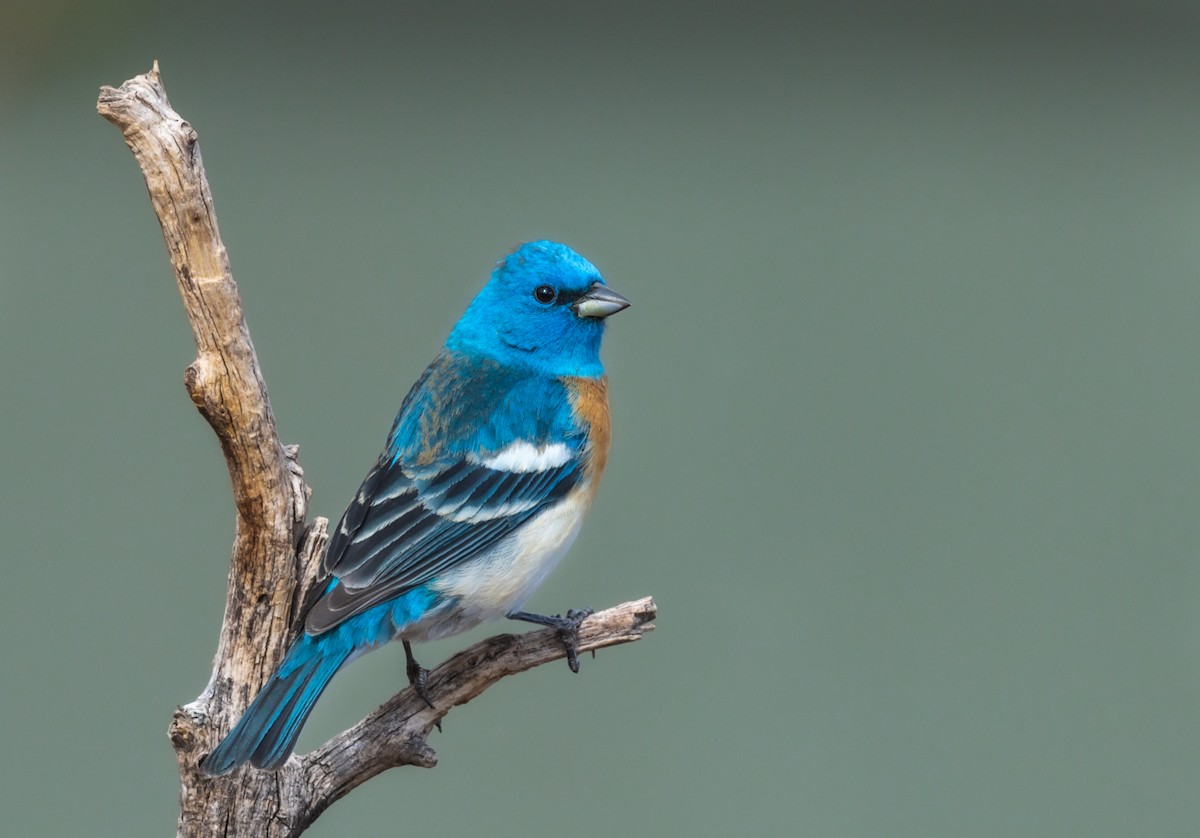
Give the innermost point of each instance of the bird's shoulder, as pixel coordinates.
(469, 405)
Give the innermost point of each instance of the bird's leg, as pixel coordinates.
(418, 677)
(568, 629)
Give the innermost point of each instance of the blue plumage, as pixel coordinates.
(506, 322)
(490, 465)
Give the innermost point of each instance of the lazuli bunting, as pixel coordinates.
(489, 468)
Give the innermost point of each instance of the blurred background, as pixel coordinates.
(905, 409)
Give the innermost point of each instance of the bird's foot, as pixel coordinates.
(418, 677)
(568, 628)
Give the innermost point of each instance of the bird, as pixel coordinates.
(489, 468)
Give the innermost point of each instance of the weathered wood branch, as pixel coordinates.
(276, 555)
(395, 734)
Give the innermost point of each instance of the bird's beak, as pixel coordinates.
(600, 301)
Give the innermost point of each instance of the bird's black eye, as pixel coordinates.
(544, 294)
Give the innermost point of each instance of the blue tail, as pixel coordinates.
(267, 731)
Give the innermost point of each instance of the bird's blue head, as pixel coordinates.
(544, 308)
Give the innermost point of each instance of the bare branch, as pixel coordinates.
(224, 381)
(395, 734)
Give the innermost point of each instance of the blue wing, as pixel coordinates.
(403, 530)
(440, 495)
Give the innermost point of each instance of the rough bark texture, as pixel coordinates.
(276, 555)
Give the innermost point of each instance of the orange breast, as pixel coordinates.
(589, 398)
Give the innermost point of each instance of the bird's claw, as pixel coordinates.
(567, 627)
(568, 630)
(418, 678)
(570, 635)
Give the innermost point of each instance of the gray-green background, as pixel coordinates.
(905, 409)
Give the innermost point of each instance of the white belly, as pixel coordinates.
(499, 581)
